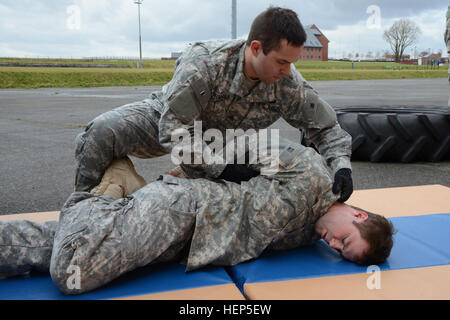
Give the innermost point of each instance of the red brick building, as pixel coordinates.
(429, 59)
(316, 45)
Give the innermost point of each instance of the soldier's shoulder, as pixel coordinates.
(213, 47)
(228, 47)
(211, 53)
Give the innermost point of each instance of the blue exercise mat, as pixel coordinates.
(147, 280)
(420, 241)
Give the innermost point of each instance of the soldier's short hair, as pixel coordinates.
(378, 232)
(275, 24)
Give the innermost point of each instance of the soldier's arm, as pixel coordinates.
(184, 98)
(318, 121)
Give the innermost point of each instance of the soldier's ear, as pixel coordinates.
(360, 215)
(256, 47)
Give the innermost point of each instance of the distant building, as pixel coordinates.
(430, 59)
(391, 57)
(175, 55)
(316, 45)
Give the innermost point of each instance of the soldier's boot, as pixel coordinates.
(119, 180)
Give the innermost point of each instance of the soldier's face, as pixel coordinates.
(276, 64)
(337, 229)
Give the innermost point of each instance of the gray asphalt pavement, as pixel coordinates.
(38, 128)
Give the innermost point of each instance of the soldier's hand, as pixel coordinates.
(343, 184)
(178, 172)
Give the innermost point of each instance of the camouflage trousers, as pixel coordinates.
(131, 129)
(102, 238)
(25, 245)
(99, 238)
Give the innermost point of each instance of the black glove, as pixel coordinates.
(343, 184)
(237, 173)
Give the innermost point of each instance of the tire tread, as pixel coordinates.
(396, 133)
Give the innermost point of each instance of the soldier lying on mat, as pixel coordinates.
(198, 221)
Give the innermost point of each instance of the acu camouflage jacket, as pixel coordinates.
(209, 86)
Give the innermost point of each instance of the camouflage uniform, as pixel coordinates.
(202, 221)
(447, 42)
(208, 85)
(25, 245)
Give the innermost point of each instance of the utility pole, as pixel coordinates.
(139, 2)
(233, 20)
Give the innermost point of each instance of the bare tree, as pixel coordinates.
(401, 35)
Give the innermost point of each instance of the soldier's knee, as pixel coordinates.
(66, 271)
(71, 278)
(80, 139)
(99, 127)
(60, 270)
(103, 124)
(78, 266)
(97, 132)
(79, 143)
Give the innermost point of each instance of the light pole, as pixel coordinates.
(139, 2)
(233, 19)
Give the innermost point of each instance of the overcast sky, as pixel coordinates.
(106, 28)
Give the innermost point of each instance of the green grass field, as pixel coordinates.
(159, 72)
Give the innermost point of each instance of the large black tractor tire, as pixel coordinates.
(397, 133)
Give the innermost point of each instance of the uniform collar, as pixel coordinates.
(261, 93)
